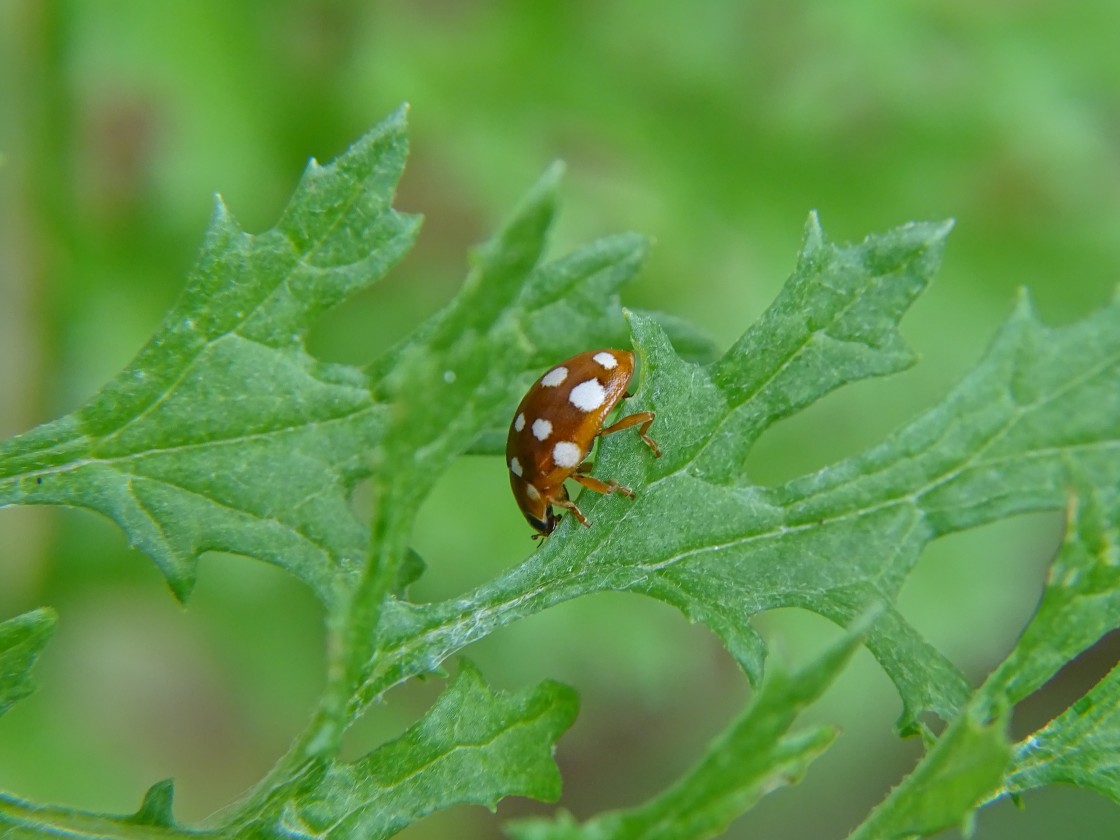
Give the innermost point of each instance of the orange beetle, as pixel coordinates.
(555, 426)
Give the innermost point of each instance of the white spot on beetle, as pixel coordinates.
(566, 454)
(541, 429)
(515, 467)
(519, 423)
(606, 359)
(532, 492)
(554, 377)
(588, 396)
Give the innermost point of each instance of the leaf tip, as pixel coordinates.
(399, 117)
(555, 172)
(221, 218)
(938, 233)
(524, 231)
(813, 237)
(43, 618)
(544, 191)
(548, 184)
(181, 585)
(32, 630)
(1024, 304)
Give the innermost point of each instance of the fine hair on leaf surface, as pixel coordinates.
(225, 434)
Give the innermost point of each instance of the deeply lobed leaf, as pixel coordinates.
(224, 434)
(973, 762)
(473, 746)
(756, 755)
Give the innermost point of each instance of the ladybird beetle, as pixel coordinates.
(556, 424)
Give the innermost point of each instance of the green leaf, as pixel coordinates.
(21, 640)
(955, 777)
(755, 756)
(1081, 603)
(452, 379)
(834, 322)
(1040, 414)
(243, 418)
(515, 312)
(474, 746)
(731, 550)
(973, 763)
(458, 375)
(689, 341)
(1081, 746)
(223, 434)
(843, 540)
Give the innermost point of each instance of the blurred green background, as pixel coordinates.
(713, 127)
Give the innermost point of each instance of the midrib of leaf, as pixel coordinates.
(194, 446)
(890, 458)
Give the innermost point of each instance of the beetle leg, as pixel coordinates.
(645, 418)
(604, 487)
(568, 504)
